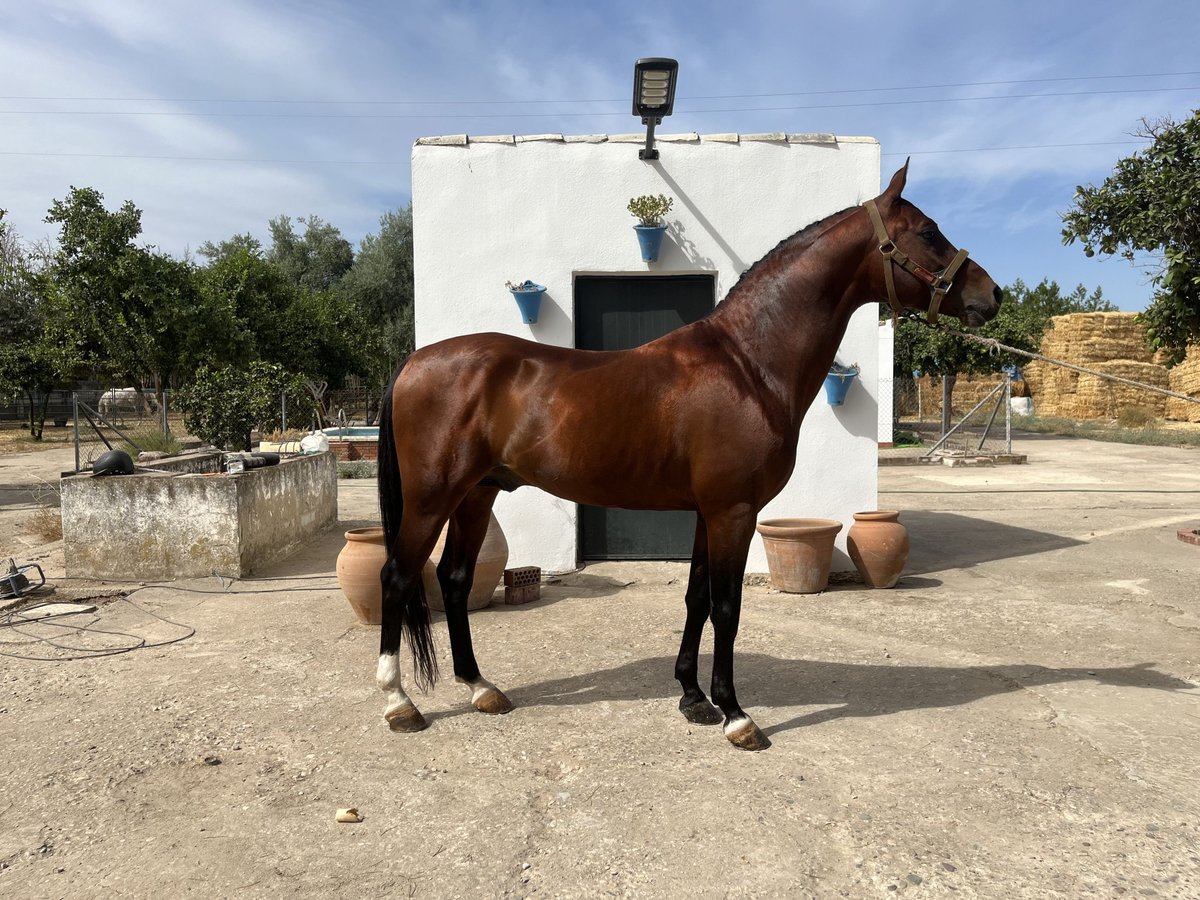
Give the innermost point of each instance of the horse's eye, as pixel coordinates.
(928, 235)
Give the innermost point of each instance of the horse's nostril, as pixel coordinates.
(999, 295)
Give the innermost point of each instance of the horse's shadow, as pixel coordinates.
(842, 690)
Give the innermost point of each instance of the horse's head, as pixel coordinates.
(934, 276)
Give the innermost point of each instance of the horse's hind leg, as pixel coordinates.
(694, 704)
(456, 574)
(403, 599)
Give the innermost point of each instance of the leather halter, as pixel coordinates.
(939, 283)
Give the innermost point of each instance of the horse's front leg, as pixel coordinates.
(729, 536)
(694, 704)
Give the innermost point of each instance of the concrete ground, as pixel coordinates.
(1017, 719)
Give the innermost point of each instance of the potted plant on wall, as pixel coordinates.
(529, 298)
(649, 210)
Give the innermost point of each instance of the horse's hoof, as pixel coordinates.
(700, 712)
(747, 736)
(405, 718)
(493, 702)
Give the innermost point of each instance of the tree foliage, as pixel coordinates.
(215, 252)
(1151, 205)
(91, 271)
(26, 357)
(315, 260)
(380, 286)
(223, 405)
(99, 305)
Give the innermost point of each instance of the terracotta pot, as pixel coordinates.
(358, 567)
(878, 544)
(799, 552)
(489, 569)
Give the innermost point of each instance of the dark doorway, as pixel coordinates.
(618, 312)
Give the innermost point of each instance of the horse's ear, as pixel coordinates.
(896, 186)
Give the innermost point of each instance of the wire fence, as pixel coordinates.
(977, 420)
(122, 418)
(138, 420)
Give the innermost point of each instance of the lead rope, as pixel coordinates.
(994, 345)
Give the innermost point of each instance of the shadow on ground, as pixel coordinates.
(942, 540)
(318, 556)
(847, 690)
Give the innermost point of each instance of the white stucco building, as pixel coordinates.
(553, 209)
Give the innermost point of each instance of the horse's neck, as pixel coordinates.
(789, 319)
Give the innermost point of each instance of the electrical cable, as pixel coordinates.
(17, 619)
(506, 102)
(406, 162)
(573, 115)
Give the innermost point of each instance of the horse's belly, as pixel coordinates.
(613, 485)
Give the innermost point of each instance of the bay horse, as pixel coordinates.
(705, 418)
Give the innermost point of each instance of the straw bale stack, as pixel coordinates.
(1114, 343)
(1098, 398)
(1085, 338)
(1185, 378)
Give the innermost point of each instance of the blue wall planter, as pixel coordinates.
(529, 300)
(650, 237)
(837, 382)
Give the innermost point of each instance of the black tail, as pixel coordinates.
(414, 611)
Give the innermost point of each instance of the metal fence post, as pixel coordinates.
(75, 421)
(283, 411)
(1008, 416)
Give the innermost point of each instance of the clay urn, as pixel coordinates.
(358, 567)
(878, 544)
(489, 569)
(799, 552)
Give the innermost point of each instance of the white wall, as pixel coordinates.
(487, 210)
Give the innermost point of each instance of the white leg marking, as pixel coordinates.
(478, 688)
(737, 724)
(387, 676)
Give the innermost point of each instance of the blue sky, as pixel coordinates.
(201, 153)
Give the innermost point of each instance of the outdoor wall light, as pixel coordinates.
(653, 96)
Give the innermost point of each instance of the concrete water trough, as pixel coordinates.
(184, 517)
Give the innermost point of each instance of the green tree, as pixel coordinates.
(261, 315)
(380, 285)
(172, 329)
(213, 252)
(1151, 205)
(91, 271)
(249, 299)
(223, 405)
(27, 363)
(1047, 299)
(315, 260)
